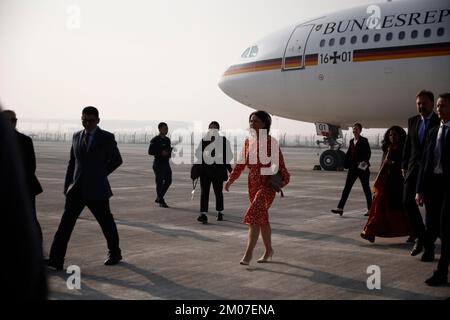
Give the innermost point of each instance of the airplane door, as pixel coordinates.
(294, 54)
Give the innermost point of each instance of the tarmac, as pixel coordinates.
(169, 255)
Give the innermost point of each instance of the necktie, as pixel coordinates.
(423, 130)
(85, 142)
(439, 150)
(442, 142)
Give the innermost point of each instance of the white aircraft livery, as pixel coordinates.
(363, 64)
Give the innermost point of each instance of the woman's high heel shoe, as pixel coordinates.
(244, 263)
(264, 258)
(368, 237)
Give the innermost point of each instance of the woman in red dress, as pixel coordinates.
(260, 146)
(387, 217)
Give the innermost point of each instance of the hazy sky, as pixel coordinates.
(137, 59)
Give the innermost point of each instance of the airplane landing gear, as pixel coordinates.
(333, 158)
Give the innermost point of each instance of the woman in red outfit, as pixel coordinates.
(262, 155)
(387, 217)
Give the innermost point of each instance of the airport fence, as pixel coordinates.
(285, 140)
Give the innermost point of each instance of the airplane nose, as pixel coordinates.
(239, 87)
(230, 87)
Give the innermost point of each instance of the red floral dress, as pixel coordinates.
(260, 193)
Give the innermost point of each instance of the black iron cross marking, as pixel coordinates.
(335, 57)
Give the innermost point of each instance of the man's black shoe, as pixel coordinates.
(113, 259)
(219, 216)
(428, 255)
(202, 218)
(418, 247)
(338, 211)
(54, 265)
(163, 205)
(437, 279)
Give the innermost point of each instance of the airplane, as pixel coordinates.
(364, 64)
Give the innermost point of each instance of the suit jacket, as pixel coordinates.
(22, 275)
(223, 157)
(28, 156)
(413, 150)
(88, 172)
(361, 152)
(425, 176)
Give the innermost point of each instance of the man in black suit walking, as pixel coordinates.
(93, 156)
(433, 188)
(28, 157)
(357, 162)
(215, 154)
(418, 128)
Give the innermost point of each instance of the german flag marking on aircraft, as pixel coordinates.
(404, 52)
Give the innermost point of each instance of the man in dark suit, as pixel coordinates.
(418, 128)
(214, 152)
(26, 152)
(357, 162)
(93, 156)
(433, 189)
(22, 273)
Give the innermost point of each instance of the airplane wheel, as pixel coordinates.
(330, 160)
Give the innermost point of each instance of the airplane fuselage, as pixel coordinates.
(363, 64)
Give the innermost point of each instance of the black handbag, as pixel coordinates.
(275, 181)
(196, 171)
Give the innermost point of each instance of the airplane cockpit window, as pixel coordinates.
(414, 34)
(250, 52)
(401, 35)
(342, 41)
(440, 32)
(322, 43)
(331, 42)
(389, 36)
(427, 33)
(246, 52)
(353, 39)
(377, 37)
(365, 38)
(253, 51)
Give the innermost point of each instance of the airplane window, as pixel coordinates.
(331, 43)
(414, 34)
(365, 38)
(389, 36)
(440, 32)
(427, 33)
(377, 37)
(354, 39)
(322, 43)
(342, 41)
(401, 35)
(254, 51)
(246, 52)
